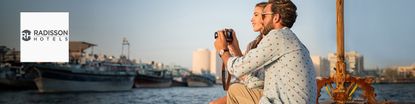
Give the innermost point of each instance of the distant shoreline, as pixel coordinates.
(412, 82)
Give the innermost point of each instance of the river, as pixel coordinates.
(173, 95)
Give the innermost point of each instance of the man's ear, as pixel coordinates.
(276, 18)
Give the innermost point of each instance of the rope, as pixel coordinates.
(354, 89)
(328, 91)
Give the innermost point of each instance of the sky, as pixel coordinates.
(169, 31)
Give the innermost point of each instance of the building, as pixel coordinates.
(354, 62)
(406, 71)
(205, 61)
(215, 64)
(201, 61)
(321, 65)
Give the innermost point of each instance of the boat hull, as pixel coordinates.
(58, 80)
(192, 83)
(144, 81)
(198, 81)
(16, 79)
(17, 84)
(179, 81)
(58, 85)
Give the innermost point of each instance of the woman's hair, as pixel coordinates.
(255, 43)
(287, 11)
(261, 4)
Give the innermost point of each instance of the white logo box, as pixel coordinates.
(56, 48)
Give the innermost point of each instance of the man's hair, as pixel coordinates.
(261, 4)
(286, 9)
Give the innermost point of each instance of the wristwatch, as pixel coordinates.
(222, 51)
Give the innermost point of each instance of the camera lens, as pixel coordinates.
(228, 35)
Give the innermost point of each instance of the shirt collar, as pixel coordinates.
(276, 30)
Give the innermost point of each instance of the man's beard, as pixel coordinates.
(267, 28)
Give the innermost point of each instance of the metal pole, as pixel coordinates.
(122, 49)
(128, 51)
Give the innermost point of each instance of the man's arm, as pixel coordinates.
(271, 46)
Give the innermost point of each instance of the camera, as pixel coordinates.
(228, 35)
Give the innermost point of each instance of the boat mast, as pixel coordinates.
(342, 93)
(125, 42)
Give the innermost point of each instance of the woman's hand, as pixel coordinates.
(234, 46)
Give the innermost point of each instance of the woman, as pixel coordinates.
(252, 81)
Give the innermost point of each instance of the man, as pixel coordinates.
(289, 72)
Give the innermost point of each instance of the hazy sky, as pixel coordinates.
(169, 31)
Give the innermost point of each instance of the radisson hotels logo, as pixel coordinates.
(26, 35)
(44, 36)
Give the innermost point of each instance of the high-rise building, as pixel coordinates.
(321, 66)
(215, 64)
(201, 61)
(354, 62)
(332, 60)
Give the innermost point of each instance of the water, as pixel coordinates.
(395, 92)
(173, 95)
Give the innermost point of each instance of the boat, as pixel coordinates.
(149, 77)
(13, 74)
(16, 78)
(179, 76)
(203, 80)
(85, 73)
(179, 81)
(70, 78)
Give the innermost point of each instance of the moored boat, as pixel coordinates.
(148, 77)
(69, 78)
(204, 80)
(17, 78)
(13, 74)
(86, 72)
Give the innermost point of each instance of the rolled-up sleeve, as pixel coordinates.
(269, 47)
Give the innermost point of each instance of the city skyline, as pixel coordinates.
(169, 31)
